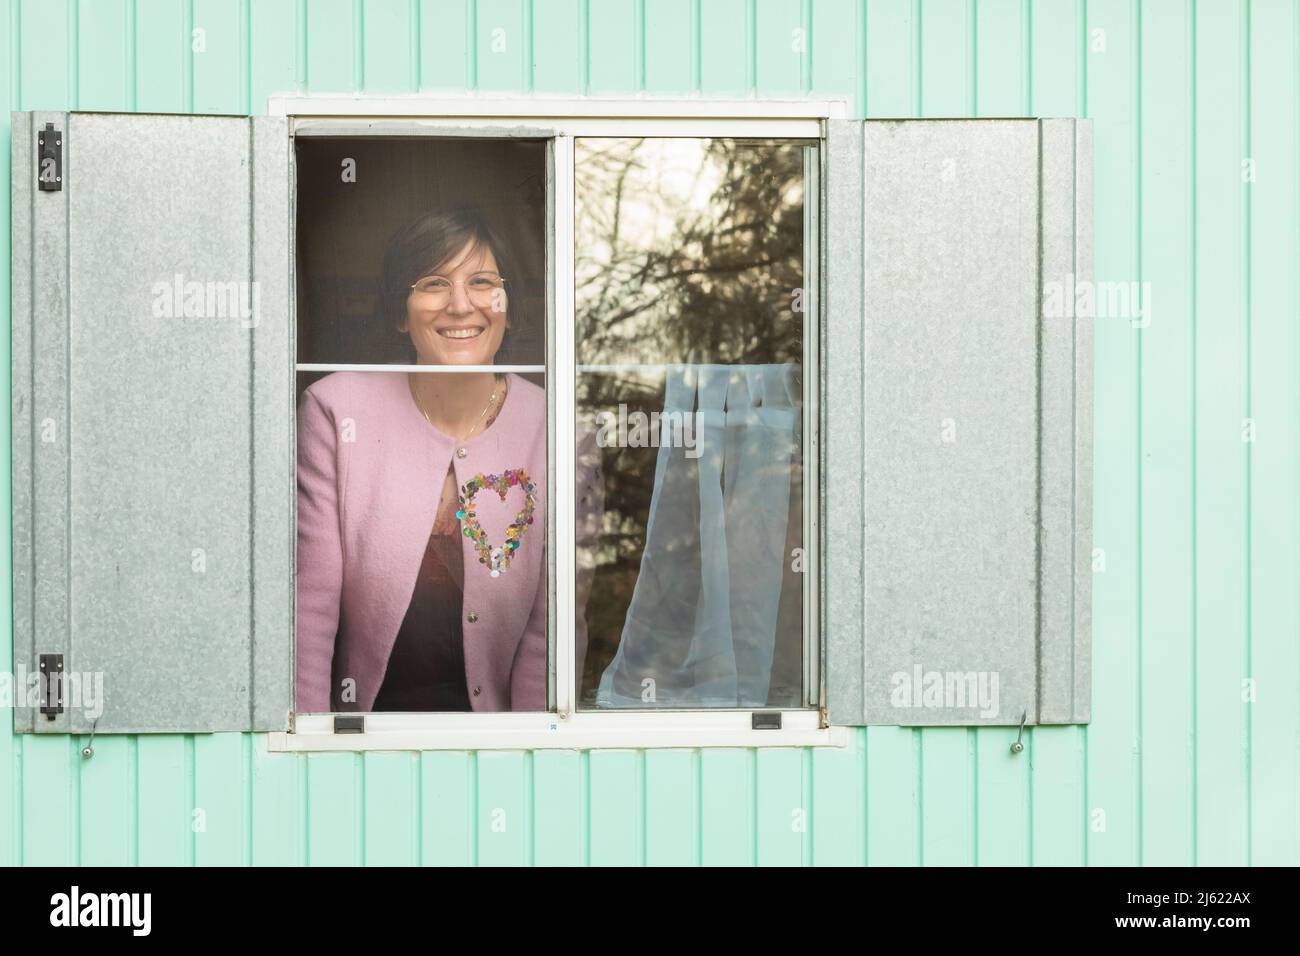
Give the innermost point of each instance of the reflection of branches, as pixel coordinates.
(617, 317)
(711, 279)
(731, 267)
(667, 277)
(618, 204)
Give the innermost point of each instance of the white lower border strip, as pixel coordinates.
(593, 731)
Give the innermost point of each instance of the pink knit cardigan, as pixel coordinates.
(370, 470)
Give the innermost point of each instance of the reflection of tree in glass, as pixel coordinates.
(688, 264)
(687, 251)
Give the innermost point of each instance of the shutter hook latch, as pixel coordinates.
(1019, 745)
(88, 751)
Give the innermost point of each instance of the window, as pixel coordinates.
(804, 448)
(692, 258)
(692, 328)
(421, 566)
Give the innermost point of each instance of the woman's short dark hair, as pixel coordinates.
(429, 241)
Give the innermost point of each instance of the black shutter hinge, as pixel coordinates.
(51, 685)
(49, 158)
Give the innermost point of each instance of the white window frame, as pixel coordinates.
(567, 727)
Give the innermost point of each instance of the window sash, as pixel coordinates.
(560, 121)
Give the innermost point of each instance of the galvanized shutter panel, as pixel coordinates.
(957, 422)
(152, 422)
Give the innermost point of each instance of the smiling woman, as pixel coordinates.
(421, 564)
(358, 196)
(445, 279)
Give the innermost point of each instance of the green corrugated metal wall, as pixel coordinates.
(1200, 529)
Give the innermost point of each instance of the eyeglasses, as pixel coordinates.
(481, 287)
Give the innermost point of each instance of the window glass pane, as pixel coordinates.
(353, 194)
(690, 258)
(421, 548)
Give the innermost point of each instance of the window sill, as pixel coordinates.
(582, 731)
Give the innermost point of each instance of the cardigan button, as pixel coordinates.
(472, 616)
(477, 691)
(461, 452)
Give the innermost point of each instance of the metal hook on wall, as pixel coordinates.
(1018, 746)
(88, 751)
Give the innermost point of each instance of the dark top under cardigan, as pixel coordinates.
(426, 669)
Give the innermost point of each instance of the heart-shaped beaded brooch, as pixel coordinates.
(497, 560)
